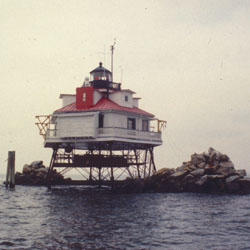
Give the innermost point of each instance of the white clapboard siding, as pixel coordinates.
(73, 126)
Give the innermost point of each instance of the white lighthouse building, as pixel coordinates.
(101, 130)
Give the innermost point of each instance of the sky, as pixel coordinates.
(188, 61)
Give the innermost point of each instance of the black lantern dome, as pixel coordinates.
(101, 78)
(101, 73)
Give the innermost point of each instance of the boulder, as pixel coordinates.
(164, 172)
(233, 187)
(190, 167)
(245, 183)
(202, 165)
(226, 170)
(181, 168)
(188, 178)
(215, 155)
(232, 178)
(223, 157)
(227, 164)
(241, 172)
(216, 177)
(210, 170)
(197, 159)
(211, 150)
(36, 164)
(212, 157)
(198, 172)
(160, 171)
(202, 181)
(27, 169)
(36, 174)
(179, 174)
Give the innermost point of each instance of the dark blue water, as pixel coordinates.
(73, 218)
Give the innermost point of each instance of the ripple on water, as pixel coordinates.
(78, 218)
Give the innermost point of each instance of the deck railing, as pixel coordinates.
(118, 133)
(129, 133)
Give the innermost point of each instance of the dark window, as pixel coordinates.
(131, 123)
(126, 98)
(145, 125)
(101, 119)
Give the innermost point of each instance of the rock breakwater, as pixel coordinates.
(36, 174)
(209, 172)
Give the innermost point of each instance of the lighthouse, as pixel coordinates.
(101, 131)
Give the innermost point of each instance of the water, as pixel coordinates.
(74, 218)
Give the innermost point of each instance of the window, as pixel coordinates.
(145, 124)
(84, 97)
(131, 123)
(126, 98)
(101, 120)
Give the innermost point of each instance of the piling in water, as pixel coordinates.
(10, 174)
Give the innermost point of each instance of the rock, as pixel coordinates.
(211, 150)
(210, 170)
(216, 177)
(27, 169)
(36, 164)
(215, 155)
(197, 159)
(245, 180)
(36, 174)
(189, 167)
(245, 185)
(226, 170)
(227, 164)
(232, 187)
(160, 171)
(192, 167)
(232, 178)
(181, 168)
(212, 157)
(42, 172)
(164, 172)
(188, 178)
(198, 172)
(179, 174)
(41, 169)
(133, 185)
(223, 157)
(202, 180)
(139, 185)
(241, 172)
(202, 165)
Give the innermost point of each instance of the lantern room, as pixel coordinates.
(101, 78)
(100, 73)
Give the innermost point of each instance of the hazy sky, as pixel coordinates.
(189, 61)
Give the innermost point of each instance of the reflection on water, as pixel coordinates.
(80, 218)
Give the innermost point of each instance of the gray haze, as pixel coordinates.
(188, 60)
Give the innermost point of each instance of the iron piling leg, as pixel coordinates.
(145, 162)
(137, 164)
(100, 184)
(151, 160)
(52, 161)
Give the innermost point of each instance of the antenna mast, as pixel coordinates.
(112, 47)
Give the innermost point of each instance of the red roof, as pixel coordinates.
(102, 104)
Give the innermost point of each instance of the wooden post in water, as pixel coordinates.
(10, 175)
